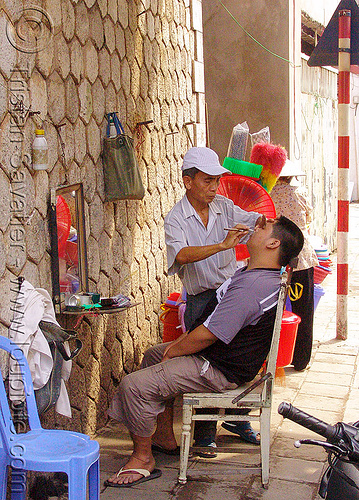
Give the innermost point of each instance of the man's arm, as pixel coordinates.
(194, 342)
(197, 253)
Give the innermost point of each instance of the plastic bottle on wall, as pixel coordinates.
(113, 131)
(39, 151)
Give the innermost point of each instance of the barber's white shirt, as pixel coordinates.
(184, 227)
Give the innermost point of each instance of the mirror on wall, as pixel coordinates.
(68, 243)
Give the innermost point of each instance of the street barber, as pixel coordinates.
(202, 252)
(227, 350)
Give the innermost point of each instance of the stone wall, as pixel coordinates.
(144, 60)
(319, 147)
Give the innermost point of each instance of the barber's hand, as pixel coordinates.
(235, 235)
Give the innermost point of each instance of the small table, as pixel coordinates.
(101, 310)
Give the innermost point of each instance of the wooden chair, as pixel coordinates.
(260, 400)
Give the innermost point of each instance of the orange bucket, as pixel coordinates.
(288, 336)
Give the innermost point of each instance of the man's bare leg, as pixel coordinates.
(164, 435)
(141, 458)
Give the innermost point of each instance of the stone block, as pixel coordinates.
(98, 99)
(109, 219)
(121, 220)
(103, 285)
(37, 87)
(92, 378)
(9, 204)
(96, 27)
(110, 38)
(196, 15)
(102, 407)
(86, 104)
(93, 137)
(82, 23)
(122, 9)
(62, 56)
(198, 46)
(2, 257)
(89, 417)
(91, 61)
(128, 352)
(105, 368)
(104, 66)
(8, 52)
(68, 20)
(93, 258)
(37, 240)
(79, 141)
(116, 71)
(120, 41)
(77, 386)
(198, 76)
(56, 98)
(116, 361)
(30, 272)
(106, 259)
(90, 3)
(45, 59)
(72, 100)
(52, 9)
(84, 334)
(200, 134)
(111, 99)
(76, 58)
(3, 98)
(110, 326)
(112, 10)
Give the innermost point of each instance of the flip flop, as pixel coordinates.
(211, 453)
(147, 476)
(160, 449)
(243, 430)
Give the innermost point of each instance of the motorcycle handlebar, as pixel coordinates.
(332, 433)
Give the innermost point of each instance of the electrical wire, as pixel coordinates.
(256, 41)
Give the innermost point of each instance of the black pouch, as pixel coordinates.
(121, 173)
(47, 395)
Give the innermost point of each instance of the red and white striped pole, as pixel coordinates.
(343, 172)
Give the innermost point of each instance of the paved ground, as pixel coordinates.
(329, 389)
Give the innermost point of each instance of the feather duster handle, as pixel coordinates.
(273, 158)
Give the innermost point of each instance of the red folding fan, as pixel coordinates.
(248, 195)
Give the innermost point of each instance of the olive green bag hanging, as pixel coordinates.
(121, 173)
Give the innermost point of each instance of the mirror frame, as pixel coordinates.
(81, 239)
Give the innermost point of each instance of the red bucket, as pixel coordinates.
(171, 323)
(288, 336)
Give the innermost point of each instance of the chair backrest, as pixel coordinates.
(21, 377)
(273, 353)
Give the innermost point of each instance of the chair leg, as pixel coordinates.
(94, 480)
(185, 442)
(265, 445)
(18, 484)
(3, 480)
(77, 482)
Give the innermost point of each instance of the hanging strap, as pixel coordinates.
(119, 128)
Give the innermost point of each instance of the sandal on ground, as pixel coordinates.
(204, 453)
(147, 476)
(243, 430)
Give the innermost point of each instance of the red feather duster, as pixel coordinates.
(272, 157)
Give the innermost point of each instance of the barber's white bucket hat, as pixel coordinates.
(205, 159)
(290, 169)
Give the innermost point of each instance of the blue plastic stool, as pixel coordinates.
(41, 449)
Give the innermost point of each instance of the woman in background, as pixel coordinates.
(291, 201)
